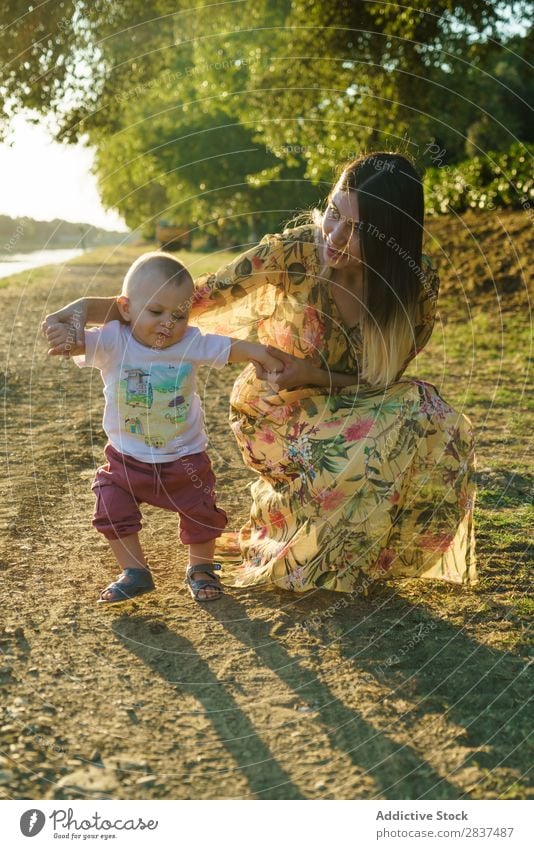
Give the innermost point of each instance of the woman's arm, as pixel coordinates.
(220, 291)
(301, 372)
(330, 379)
(225, 290)
(76, 315)
(102, 310)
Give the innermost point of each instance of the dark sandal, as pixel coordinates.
(130, 583)
(196, 586)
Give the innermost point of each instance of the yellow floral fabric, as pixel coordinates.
(354, 484)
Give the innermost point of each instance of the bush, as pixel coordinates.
(499, 179)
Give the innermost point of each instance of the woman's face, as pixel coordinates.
(341, 231)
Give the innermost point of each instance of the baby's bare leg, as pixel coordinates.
(128, 552)
(201, 552)
(129, 555)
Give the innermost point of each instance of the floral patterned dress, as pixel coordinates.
(354, 484)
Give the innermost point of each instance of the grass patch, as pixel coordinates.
(498, 500)
(524, 607)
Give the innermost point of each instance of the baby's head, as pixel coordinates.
(156, 298)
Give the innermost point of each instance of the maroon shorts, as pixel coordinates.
(185, 486)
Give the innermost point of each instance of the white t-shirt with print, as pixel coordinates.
(152, 411)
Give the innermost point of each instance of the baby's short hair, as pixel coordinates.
(165, 265)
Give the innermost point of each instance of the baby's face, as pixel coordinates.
(158, 312)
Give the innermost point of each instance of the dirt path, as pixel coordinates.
(414, 692)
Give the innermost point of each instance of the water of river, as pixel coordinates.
(13, 263)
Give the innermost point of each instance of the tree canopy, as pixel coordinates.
(214, 112)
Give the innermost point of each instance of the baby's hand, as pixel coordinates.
(268, 367)
(271, 364)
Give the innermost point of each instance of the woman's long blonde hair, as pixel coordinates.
(391, 207)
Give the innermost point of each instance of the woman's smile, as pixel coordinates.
(334, 254)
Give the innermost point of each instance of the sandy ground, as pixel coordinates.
(409, 693)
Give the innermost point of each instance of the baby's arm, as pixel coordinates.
(64, 336)
(256, 353)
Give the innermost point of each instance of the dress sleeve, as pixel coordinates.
(235, 298)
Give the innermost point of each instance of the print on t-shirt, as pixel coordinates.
(154, 401)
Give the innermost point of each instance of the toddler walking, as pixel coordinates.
(156, 450)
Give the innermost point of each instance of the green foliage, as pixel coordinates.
(497, 179)
(498, 78)
(21, 234)
(173, 161)
(228, 115)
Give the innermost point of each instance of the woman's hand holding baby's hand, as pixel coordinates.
(271, 363)
(57, 336)
(290, 371)
(64, 328)
(62, 338)
(268, 366)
